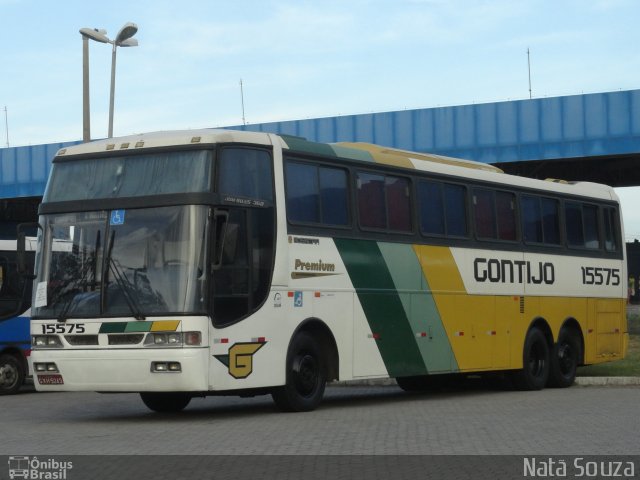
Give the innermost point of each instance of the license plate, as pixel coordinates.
(50, 379)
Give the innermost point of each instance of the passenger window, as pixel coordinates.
(540, 220)
(485, 214)
(398, 203)
(455, 200)
(431, 208)
(384, 202)
(316, 194)
(550, 220)
(506, 210)
(531, 219)
(245, 172)
(371, 203)
(333, 196)
(303, 201)
(610, 230)
(590, 215)
(442, 209)
(582, 225)
(573, 216)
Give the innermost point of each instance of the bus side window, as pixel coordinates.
(485, 213)
(610, 230)
(246, 172)
(582, 225)
(384, 202)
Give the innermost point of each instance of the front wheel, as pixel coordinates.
(564, 359)
(165, 402)
(535, 362)
(11, 375)
(306, 376)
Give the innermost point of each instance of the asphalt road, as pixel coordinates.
(352, 421)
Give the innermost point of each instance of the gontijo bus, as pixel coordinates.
(195, 263)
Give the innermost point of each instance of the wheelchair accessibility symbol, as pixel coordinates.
(297, 299)
(117, 217)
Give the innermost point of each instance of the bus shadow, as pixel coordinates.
(336, 397)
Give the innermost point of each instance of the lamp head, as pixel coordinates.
(99, 35)
(126, 32)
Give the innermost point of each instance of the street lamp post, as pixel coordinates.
(98, 35)
(123, 39)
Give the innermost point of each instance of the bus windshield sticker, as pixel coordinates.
(117, 217)
(41, 295)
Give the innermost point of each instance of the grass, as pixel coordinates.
(629, 366)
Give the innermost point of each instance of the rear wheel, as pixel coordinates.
(535, 362)
(306, 376)
(564, 359)
(11, 374)
(165, 402)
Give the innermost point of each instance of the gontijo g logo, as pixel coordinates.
(33, 468)
(239, 361)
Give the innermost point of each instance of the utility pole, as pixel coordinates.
(244, 121)
(6, 123)
(529, 68)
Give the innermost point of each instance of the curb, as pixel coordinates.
(606, 381)
(580, 381)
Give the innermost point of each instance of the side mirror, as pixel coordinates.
(24, 270)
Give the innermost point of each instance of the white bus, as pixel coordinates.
(220, 262)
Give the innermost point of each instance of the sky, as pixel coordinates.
(303, 59)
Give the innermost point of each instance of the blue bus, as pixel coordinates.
(15, 295)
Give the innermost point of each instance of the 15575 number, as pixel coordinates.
(62, 328)
(600, 276)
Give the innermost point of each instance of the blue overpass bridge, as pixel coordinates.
(593, 137)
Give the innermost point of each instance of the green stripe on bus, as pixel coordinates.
(138, 326)
(382, 307)
(352, 153)
(300, 144)
(420, 307)
(117, 327)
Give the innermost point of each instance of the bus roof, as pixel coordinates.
(361, 152)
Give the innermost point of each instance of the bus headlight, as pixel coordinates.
(46, 341)
(45, 367)
(155, 339)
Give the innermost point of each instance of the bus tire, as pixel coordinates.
(564, 359)
(165, 402)
(11, 374)
(535, 362)
(306, 376)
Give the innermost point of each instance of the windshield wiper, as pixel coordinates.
(121, 280)
(90, 265)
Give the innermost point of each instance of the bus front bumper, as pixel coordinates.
(126, 370)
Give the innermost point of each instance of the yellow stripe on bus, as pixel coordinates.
(165, 326)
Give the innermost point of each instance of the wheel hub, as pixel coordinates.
(536, 361)
(565, 358)
(8, 375)
(306, 374)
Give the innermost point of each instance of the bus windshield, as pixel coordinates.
(130, 176)
(136, 262)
